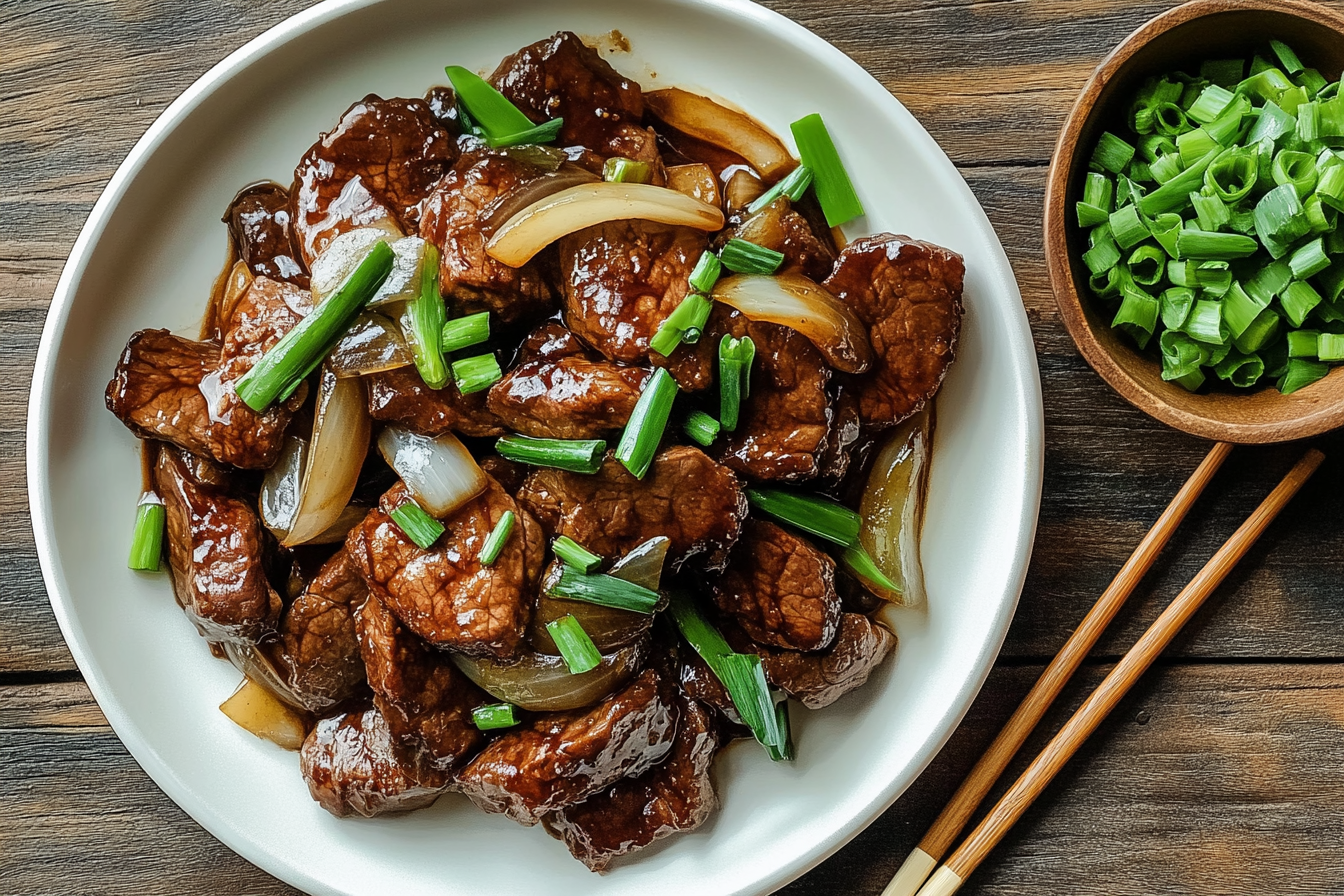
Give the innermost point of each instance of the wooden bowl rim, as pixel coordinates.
(1059, 263)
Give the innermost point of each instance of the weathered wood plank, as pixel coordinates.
(1209, 779)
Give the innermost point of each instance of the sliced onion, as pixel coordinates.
(350, 517)
(344, 254)
(743, 188)
(542, 223)
(893, 511)
(279, 499)
(236, 283)
(440, 472)
(696, 181)
(544, 683)
(610, 629)
(702, 118)
(644, 564)
(249, 659)
(372, 344)
(257, 710)
(534, 191)
(335, 456)
(796, 302)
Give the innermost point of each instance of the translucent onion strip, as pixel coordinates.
(542, 223)
(543, 683)
(702, 118)
(335, 456)
(440, 472)
(796, 302)
(893, 511)
(372, 344)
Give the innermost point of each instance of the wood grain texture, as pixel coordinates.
(1231, 787)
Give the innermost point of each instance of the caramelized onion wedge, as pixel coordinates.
(644, 564)
(893, 511)
(610, 628)
(533, 191)
(702, 118)
(372, 344)
(440, 472)
(544, 683)
(796, 302)
(542, 223)
(335, 456)
(257, 710)
(279, 499)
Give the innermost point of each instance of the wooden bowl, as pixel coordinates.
(1180, 38)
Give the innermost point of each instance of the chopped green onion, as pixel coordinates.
(418, 525)
(1098, 191)
(1287, 58)
(1212, 213)
(147, 540)
(1112, 154)
(1311, 80)
(1229, 127)
(477, 373)
(1165, 228)
(494, 716)
(620, 170)
(575, 555)
(1303, 343)
(1269, 282)
(1165, 168)
(705, 273)
(1174, 195)
(1232, 176)
(1330, 185)
(1242, 371)
(861, 563)
(1280, 219)
(1181, 355)
(1151, 148)
(735, 357)
(580, 653)
(701, 427)
(297, 354)
(748, 258)
(821, 517)
(425, 319)
(1212, 102)
(1127, 227)
(546, 132)
(1258, 334)
(793, 185)
(1091, 215)
(1330, 347)
(1193, 146)
(1296, 168)
(502, 122)
(644, 431)
(689, 316)
(1138, 309)
(1300, 373)
(1206, 322)
(464, 332)
(1102, 256)
(1272, 124)
(1215, 246)
(839, 202)
(1309, 259)
(1240, 310)
(603, 590)
(1298, 299)
(498, 537)
(1175, 304)
(1223, 72)
(576, 456)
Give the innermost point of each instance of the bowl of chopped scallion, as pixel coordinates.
(1194, 221)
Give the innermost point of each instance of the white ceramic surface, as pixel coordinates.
(147, 257)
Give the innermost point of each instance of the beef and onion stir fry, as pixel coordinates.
(541, 439)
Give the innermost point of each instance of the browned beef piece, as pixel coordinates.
(507, 473)
(215, 545)
(819, 679)
(379, 162)
(908, 292)
(677, 795)
(353, 765)
(841, 447)
(563, 758)
(700, 683)
(426, 701)
(454, 221)
(785, 423)
(442, 102)
(685, 496)
(561, 77)
(259, 223)
(780, 589)
(550, 342)
(569, 398)
(401, 396)
(779, 227)
(444, 594)
(317, 654)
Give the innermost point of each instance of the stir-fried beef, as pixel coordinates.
(780, 589)
(550, 342)
(845, 431)
(215, 547)
(375, 167)
(442, 102)
(677, 795)
(562, 758)
(353, 765)
(621, 281)
(453, 221)
(779, 227)
(569, 398)
(445, 594)
(317, 654)
(819, 679)
(561, 77)
(908, 292)
(426, 701)
(700, 683)
(785, 424)
(685, 496)
(401, 396)
(259, 223)
(507, 473)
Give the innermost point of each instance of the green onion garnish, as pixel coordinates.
(1218, 246)
(793, 185)
(476, 373)
(839, 202)
(498, 537)
(820, 516)
(574, 455)
(147, 541)
(701, 427)
(501, 122)
(1330, 347)
(299, 351)
(626, 171)
(861, 562)
(575, 555)
(686, 319)
(1301, 372)
(464, 332)
(493, 716)
(603, 590)
(644, 431)
(580, 653)
(735, 357)
(706, 271)
(419, 526)
(1112, 154)
(425, 316)
(746, 257)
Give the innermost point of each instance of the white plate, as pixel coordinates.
(147, 257)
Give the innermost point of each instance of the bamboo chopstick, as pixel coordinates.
(949, 878)
(958, 811)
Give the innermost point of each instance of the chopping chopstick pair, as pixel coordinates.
(940, 837)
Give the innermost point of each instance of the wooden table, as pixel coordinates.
(1222, 772)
